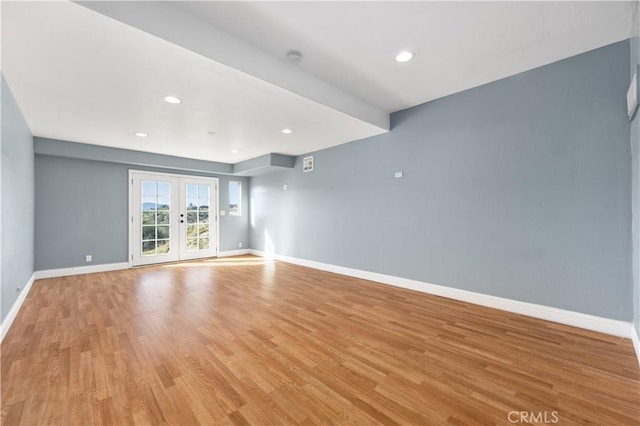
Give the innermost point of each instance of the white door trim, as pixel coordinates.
(133, 204)
(136, 220)
(213, 210)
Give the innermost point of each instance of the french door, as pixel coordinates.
(172, 217)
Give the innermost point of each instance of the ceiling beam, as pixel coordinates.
(176, 26)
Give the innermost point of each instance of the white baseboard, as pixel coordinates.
(229, 253)
(636, 342)
(575, 319)
(78, 270)
(13, 312)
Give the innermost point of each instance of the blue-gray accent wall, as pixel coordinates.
(17, 206)
(519, 188)
(82, 208)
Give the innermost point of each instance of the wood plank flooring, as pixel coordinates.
(247, 341)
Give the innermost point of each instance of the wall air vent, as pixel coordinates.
(307, 164)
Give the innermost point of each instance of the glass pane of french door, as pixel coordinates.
(154, 219)
(197, 207)
(198, 202)
(172, 218)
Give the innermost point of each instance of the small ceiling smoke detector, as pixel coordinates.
(211, 133)
(404, 56)
(173, 100)
(294, 56)
(287, 131)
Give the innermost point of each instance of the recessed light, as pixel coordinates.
(173, 100)
(287, 131)
(141, 135)
(404, 56)
(234, 151)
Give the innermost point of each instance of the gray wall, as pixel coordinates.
(16, 220)
(82, 208)
(635, 190)
(519, 188)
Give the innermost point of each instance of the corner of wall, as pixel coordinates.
(15, 308)
(17, 207)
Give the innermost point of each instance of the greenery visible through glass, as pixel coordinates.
(156, 217)
(235, 198)
(163, 217)
(192, 244)
(163, 246)
(148, 247)
(162, 232)
(149, 218)
(192, 217)
(148, 233)
(197, 201)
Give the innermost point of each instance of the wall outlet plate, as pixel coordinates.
(399, 174)
(222, 212)
(88, 258)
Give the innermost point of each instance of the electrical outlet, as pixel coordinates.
(222, 212)
(240, 245)
(88, 258)
(399, 174)
(284, 187)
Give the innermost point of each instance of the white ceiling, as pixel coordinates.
(82, 76)
(458, 45)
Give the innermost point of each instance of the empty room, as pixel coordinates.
(341, 212)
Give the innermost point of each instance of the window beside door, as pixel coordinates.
(235, 198)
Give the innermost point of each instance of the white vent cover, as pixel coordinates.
(307, 164)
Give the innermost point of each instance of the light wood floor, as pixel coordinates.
(244, 341)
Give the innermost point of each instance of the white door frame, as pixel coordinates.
(136, 221)
(213, 208)
(134, 203)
